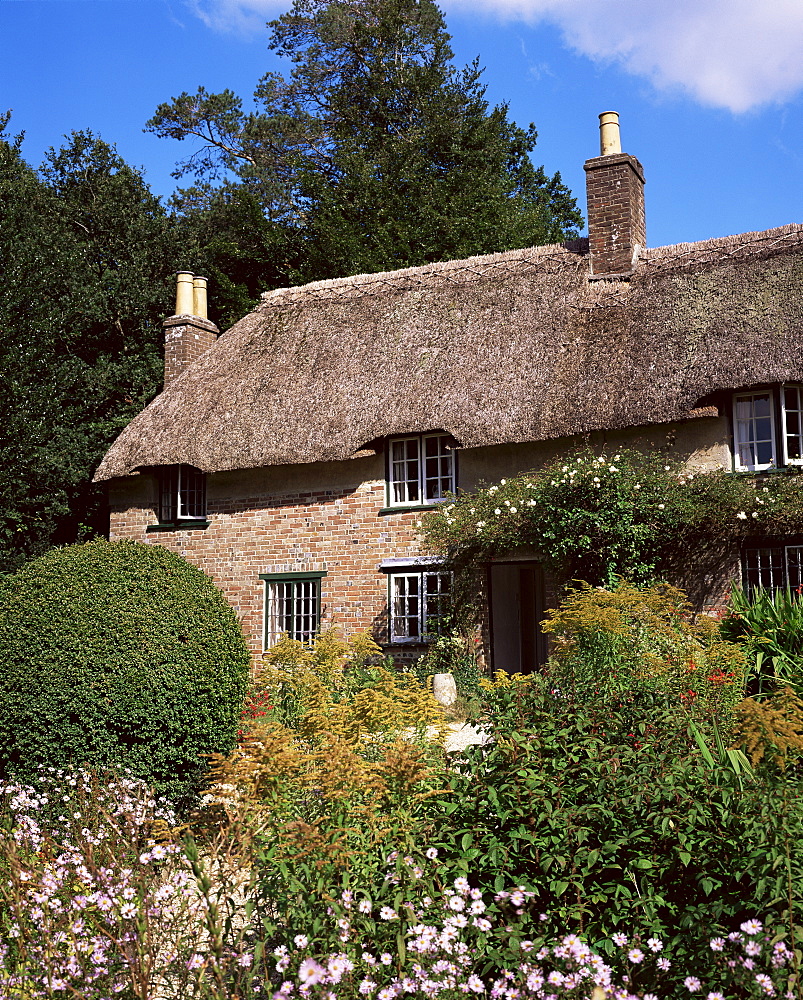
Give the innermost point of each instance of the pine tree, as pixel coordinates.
(375, 152)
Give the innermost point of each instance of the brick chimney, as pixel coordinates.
(188, 334)
(615, 189)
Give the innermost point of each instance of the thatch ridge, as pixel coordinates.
(540, 258)
(510, 347)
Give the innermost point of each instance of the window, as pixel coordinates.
(182, 494)
(418, 602)
(773, 567)
(792, 424)
(292, 606)
(768, 428)
(420, 469)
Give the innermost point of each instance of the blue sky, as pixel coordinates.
(710, 92)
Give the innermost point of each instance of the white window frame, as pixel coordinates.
(739, 442)
(292, 607)
(780, 565)
(785, 433)
(182, 494)
(407, 588)
(779, 423)
(408, 473)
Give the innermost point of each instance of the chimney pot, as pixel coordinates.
(199, 297)
(188, 334)
(609, 139)
(184, 294)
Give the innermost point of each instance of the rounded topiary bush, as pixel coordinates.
(122, 655)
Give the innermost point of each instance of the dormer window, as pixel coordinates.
(182, 494)
(768, 428)
(421, 469)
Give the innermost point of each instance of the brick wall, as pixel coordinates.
(186, 338)
(256, 527)
(616, 223)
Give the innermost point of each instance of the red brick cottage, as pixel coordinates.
(291, 457)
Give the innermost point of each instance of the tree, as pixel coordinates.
(86, 253)
(375, 152)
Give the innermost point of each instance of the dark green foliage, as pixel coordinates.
(87, 255)
(374, 153)
(772, 627)
(118, 655)
(638, 515)
(609, 812)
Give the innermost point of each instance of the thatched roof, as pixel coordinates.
(517, 346)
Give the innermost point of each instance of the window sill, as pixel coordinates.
(776, 470)
(180, 526)
(410, 508)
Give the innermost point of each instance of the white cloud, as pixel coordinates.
(735, 54)
(243, 16)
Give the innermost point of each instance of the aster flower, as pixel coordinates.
(692, 984)
(310, 972)
(752, 926)
(765, 983)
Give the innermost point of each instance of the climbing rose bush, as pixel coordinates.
(596, 517)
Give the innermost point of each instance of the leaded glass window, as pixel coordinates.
(292, 608)
(418, 603)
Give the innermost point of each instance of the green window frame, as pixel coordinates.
(292, 607)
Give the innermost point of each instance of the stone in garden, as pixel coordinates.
(444, 689)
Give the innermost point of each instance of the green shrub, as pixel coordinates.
(595, 517)
(643, 650)
(118, 655)
(771, 626)
(613, 823)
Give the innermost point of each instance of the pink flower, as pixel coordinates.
(765, 983)
(310, 972)
(692, 984)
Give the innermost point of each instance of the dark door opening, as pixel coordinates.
(517, 609)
